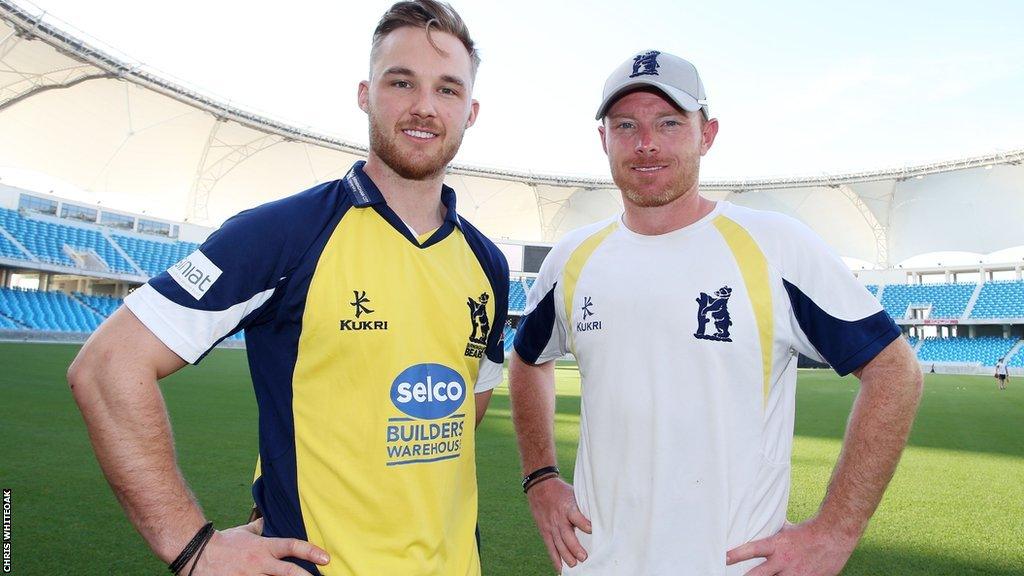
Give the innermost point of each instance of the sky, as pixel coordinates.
(799, 87)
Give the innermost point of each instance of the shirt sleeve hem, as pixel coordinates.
(161, 328)
(489, 377)
(868, 352)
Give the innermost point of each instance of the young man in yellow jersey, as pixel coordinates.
(369, 368)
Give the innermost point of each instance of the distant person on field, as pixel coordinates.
(1002, 373)
(370, 372)
(686, 316)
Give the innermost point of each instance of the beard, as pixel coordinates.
(633, 190)
(412, 166)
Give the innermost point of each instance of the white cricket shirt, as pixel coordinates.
(686, 346)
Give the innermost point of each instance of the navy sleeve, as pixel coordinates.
(535, 328)
(223, 286)
(846, 345)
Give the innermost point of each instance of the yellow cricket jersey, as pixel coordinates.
(366, 345)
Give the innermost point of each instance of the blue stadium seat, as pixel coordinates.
(1001, 299)
(104, 305)
(947, 300)
(1018, 359)
(510, 336)
(516, 296)
(154, 256)
(46, 241)
(986, 349)
(54, 311)
(6, 324)
(9, 250)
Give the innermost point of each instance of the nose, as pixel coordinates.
(424, 107)
(645, 143)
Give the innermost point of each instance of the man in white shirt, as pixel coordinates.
(1002, 374)
(686, 316)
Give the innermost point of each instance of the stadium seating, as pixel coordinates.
(873, 288)
(154, 256)
(57, 311)
(53, 311)
(46, 241)
(986, 349)
(947, 300)
(1001, 299)
(9, 250)
(1018, 359)
(102, 305)
(510, 336)
(7, 324)
(516, 296)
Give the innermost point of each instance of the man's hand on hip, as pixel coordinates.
(554, 509)
(242, 551)
(804, 549)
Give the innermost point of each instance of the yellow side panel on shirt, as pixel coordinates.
(574, 267)
(383, 401)
(754, 267)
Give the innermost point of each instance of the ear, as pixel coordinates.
(474, 109)
(364, 96)
(708, 135)
(604, 143)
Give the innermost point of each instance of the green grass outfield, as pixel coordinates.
(956, 505)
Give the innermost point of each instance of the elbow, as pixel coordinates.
(914, 383)
(917, 380)
(81, 375)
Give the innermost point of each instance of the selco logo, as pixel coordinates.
(428, 391)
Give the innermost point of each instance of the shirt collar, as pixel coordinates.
(361, 189)
(364, 192)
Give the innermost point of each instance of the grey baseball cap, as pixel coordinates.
(676, 77)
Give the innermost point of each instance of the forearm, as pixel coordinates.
(132, 441)
(130, 432)
(532, 391)
(876, 434)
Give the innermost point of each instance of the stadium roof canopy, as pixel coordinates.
(74, 112)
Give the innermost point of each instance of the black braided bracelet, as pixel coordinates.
(197, 541)
(531, 478)
(539, 480)
(199, 553)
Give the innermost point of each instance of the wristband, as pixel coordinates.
(531, 478)
(198, 541)
(539, 480)
(199, 554)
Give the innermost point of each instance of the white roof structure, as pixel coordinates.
(74, 112)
